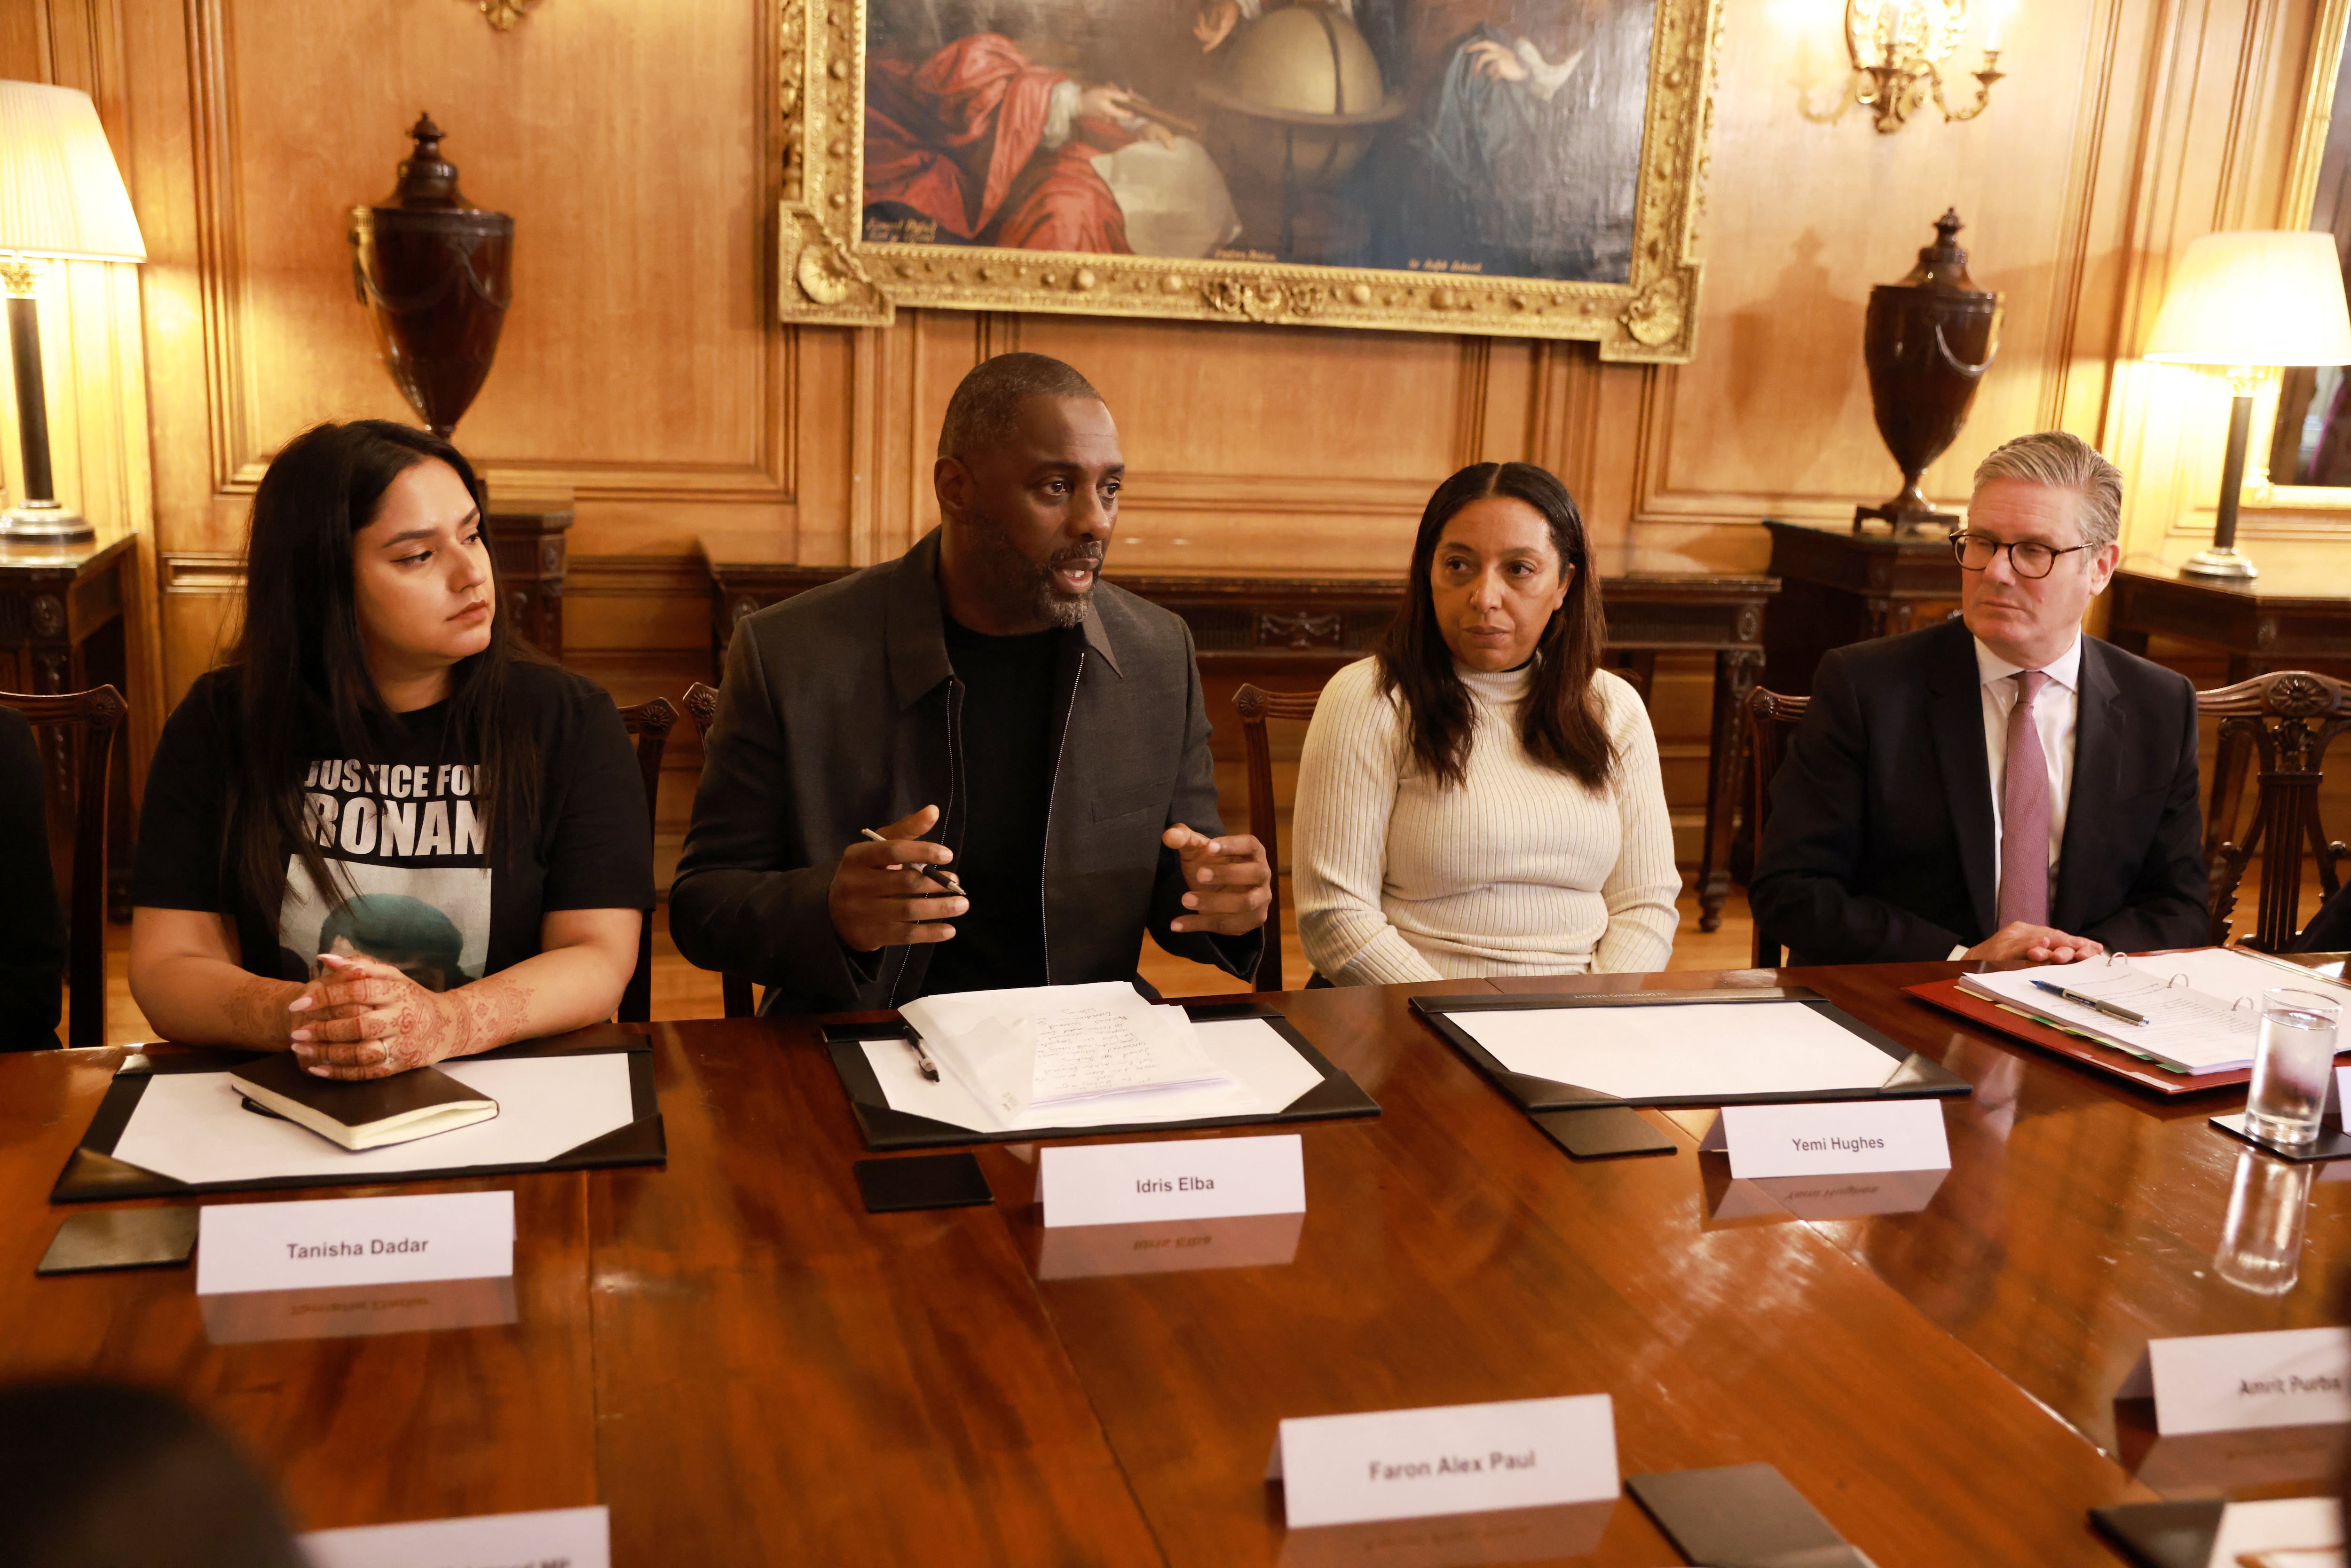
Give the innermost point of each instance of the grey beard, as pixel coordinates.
(1016, 580)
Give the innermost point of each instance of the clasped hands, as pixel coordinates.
(362, 1019)
(880, 898)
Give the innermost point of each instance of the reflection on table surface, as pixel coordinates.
(746, 1366)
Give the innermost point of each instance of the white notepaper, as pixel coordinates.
(1448, 1459)
(1675, 1050)
(1185, 1179)
(2295, 1524)
(553, 1538)
(320, 1242)
(1836, 1138)
(194, 1127)
(1267, 1070)
(2238, 1382)
(2196, 1029)
(1048, 1046)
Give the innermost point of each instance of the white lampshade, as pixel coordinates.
(2257, 297)
(60, 193)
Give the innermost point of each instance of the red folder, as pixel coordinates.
(1947, 995)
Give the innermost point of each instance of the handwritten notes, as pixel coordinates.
(1046, 1047)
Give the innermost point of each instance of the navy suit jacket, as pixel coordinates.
(1879, 845)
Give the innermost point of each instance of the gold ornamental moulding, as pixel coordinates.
(833, 271)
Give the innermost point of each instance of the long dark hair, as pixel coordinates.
(302, 679)
(1560, 723)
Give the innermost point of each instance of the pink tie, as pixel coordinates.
(2024, 812)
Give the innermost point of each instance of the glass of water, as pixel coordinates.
(2291, 1063)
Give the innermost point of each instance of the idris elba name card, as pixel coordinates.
(1175, 1178)
(354, 1241)
(1447, 1459)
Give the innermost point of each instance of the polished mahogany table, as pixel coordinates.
(745, 1366)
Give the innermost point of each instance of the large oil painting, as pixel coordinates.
(1521, 166)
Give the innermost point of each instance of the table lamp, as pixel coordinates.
(61, 198)
(2245, 301)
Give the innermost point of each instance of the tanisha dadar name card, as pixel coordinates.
(1447, 1459)
(1833, 1139)
(354, 1241)
(552, 1538)
(1175, 1178)
(2235, 1382)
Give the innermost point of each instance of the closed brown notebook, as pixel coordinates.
(365, 1113)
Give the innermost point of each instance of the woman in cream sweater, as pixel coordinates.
(1479, 796)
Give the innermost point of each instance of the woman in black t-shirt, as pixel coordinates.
(387, 831)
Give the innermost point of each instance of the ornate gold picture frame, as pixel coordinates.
(851, 254)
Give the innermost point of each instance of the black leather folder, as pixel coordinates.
(1743, 1516)
(2162, 1534)
(1908, 1075)
(92, 1174)
(1336, 1096)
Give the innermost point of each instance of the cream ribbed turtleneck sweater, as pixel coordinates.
(1520, 871)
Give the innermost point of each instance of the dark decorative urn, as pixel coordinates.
(434, 269)
(1928, 342)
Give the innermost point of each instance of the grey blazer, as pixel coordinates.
(839, 711)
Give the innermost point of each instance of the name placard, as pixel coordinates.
(2236, 1382)
(354, 1241)
(1447, 1459)
(1836, 1138)
(1180, 1178)
(554, 1537)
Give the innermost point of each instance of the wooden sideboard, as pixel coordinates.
(1658, 601)
(1838, 587)
(62, 630)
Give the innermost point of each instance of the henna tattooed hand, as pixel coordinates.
(367, 1019)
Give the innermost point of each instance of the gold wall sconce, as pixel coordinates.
(1898, 50)
(504, 13)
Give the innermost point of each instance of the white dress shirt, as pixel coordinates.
(2054, 714)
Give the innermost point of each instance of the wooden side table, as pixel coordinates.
(2284, 619)
(1839, 587)
(526, 540)
(61, 630)
(1657, 602)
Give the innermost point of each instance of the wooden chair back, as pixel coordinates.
(701, 707)
(1255, 704)
(650, 723)
(2289, 718)
(1771, 716)
(82, 725)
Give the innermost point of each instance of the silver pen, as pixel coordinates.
(939, 875)
(2109, 1009)
(922, 1056)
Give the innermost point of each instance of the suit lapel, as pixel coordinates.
(2101, 727)
(1955, 709)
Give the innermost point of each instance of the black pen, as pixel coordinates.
(939, 875)
(922, 1057)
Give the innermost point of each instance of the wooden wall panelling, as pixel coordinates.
(2224, 83)
(93, 345)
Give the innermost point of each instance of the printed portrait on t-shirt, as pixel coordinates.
(411, 884)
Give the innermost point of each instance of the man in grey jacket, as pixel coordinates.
(983, 701)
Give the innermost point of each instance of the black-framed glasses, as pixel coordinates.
(2027, 558)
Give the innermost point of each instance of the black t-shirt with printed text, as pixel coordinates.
(405, 836)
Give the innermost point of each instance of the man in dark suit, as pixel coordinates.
(2001, 787)
(985, 687)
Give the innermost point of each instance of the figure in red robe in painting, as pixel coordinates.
(967, 140)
